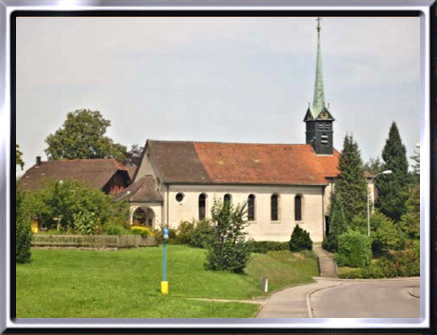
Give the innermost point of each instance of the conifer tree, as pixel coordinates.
(393, 188)
(337, 224)
(351, 184)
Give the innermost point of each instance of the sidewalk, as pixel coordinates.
(292, 302)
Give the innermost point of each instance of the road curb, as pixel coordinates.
(366, 280)
(308, 295)
(414, 294)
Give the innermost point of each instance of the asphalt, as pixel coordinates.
(294, 302)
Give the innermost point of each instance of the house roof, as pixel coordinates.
(93, 172)
(143, 190)
(242, 163)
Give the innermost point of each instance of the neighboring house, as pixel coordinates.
(283, 184)
(107, 175)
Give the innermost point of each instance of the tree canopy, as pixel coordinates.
(18, 157)
(83, 136)
(393, 188)
(351, 185)
(133, 157)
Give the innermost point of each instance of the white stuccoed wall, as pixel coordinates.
(262, 229)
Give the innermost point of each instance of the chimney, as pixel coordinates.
(38, 160)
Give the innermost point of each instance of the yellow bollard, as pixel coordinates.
(164, 287)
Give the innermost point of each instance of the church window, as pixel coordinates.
(324, 139)
(298, 208)
(274, 207)
(202, 206)
(227, 198)
(251, 208)
(180, 197)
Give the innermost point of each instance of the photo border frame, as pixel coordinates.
(11, 9)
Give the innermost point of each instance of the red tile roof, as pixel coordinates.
(94, 172)
(242, 163)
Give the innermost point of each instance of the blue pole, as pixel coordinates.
(164, 260)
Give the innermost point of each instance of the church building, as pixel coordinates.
(283, 184)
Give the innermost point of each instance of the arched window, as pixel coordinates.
(274, 208)
(251, 208)
(202, 206)
(227, 198)
(298, 208)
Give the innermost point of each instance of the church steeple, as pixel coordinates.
(319, 93)
(318, 118)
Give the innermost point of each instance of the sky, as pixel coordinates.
(217, 79)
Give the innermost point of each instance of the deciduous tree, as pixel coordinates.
(83, 136)
(19, 157)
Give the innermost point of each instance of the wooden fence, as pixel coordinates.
(93, 241)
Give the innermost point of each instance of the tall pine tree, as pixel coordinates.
(393, 188)
(351, 184)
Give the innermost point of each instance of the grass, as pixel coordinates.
(126, 283)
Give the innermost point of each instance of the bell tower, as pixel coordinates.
(318, 118)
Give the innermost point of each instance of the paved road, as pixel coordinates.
(382, 299)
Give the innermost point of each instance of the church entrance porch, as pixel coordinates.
(143, 216)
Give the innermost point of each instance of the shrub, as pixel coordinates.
(384, 233)
(354, 249)
(140, 230)
(23, 241)
(184, 233)
(228, 249)
(115, 229)
(262, 247)
(398, 264)
(87, 223)
(23, 232)
(308, 254)
(203, 234)
(300, 240)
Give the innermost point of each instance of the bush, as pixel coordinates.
(308, 254)
(300, 240)
(262, 247)
(354, 250)
(228, 249)
(184, 233)
(143, 231)
(398, 264)
(23, 232)
(115, 229)
(203, 234)
(384, 233)
(87, 223)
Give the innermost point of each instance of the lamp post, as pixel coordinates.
(368, 199)
(164, 283)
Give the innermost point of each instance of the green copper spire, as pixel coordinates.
(319, 94)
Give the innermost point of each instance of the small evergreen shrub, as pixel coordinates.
(261, 247)
(354, 249)
(300, 240)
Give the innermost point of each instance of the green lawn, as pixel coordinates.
(126, 283)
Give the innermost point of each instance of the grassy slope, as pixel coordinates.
(70, 283)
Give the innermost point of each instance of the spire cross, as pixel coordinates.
(318, 23)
